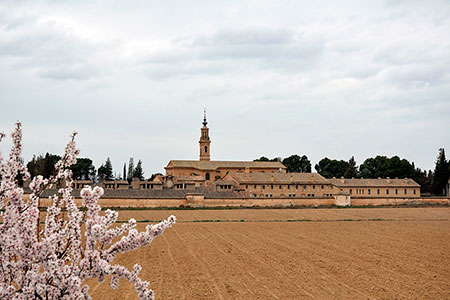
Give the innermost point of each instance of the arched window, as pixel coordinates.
(206, 149)
(207, 176)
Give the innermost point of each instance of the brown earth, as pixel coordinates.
(376, 253)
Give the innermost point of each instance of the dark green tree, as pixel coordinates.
(382, 166)
(43, 165)
(331, 168)
(263, 158)
(83, 169)
(124, 171)
(130, 170)
(441, 174)
(106, 171)
(138, 171)
(352, 169)
(425, 180)
(297, 164)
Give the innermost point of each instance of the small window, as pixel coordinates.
(280, 186)
(289, 186)
(271, 186)
(314, 187)
(350, 191)
(405, 191)
(207, 176)
(246, 187)
(396, 191)
(387, 191)
(378, 191)
(304, 187)
(296, 187)
(206, 149)
(321, 187)
(263, 187)
(255, 186)
(414, 191)
(368, 191)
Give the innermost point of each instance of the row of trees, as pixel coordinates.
(84, 168)
(379, 166)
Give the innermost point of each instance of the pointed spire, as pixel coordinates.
(204, 117)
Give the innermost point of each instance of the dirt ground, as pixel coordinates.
(371, 253)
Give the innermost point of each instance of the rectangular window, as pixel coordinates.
(263, 187)
(255, 186)
(271, 186)
(296, 187)
(314, 187)
(289, 186)
(405, 192)
(246, 187)
(280, 186)
(396, 191)
(304, 187)
(378, 191)
(414, 191)
(387, 191)
(368, 191)
(321, 187)
(350, 191)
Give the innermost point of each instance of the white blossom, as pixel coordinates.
(53, 263)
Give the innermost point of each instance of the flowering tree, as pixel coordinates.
(53, 261)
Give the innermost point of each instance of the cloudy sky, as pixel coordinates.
(321, 78)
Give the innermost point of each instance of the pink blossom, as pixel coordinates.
(52, 263)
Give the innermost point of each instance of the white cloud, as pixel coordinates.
(322, 78)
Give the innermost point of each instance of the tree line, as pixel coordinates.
(84, 168)
(431, 182)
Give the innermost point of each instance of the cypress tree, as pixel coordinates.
(441, 174)
(138, 171)
(124, 171)
(130, 170)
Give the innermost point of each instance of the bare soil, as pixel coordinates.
(376, 253)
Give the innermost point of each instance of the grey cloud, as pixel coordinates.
(69, 72)
(246, 37)
(45, 47)
(227, 49)
(417, 75)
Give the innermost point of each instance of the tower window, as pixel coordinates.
(206, 149)
(207, 176)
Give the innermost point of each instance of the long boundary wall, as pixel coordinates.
(200, 201)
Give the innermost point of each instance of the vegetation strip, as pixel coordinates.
(287, 220)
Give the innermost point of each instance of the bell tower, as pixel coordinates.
(205, 142)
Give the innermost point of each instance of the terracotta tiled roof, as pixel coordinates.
(280, 178)
(381, 182)
(154, 194)
(189, 178)
(214, 164)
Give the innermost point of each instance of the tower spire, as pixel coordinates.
(204, 117)
(205, 142)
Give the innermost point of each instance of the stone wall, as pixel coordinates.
(198, 200)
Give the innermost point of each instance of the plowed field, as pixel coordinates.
(385, 253)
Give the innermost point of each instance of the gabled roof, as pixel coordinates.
(278, 178)
(216, 164)
(191, 178)
(370, 182)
